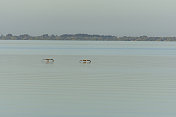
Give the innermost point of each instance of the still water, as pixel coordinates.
(124, 79)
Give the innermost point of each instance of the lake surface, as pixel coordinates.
(124, 79)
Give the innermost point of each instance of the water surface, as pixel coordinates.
(125, 79)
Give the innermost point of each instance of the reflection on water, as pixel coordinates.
(134, 85)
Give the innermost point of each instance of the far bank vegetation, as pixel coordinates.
(84, 37)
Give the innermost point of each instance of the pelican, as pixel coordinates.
(85, 61)
(48, 60)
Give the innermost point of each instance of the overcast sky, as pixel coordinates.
(112, 17)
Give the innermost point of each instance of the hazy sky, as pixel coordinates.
(114, 17)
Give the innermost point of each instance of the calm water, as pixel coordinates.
(125, 79)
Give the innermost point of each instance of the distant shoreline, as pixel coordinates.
(84, 37)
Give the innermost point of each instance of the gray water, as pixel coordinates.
(124, 79)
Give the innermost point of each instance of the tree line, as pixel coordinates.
(84, 37)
